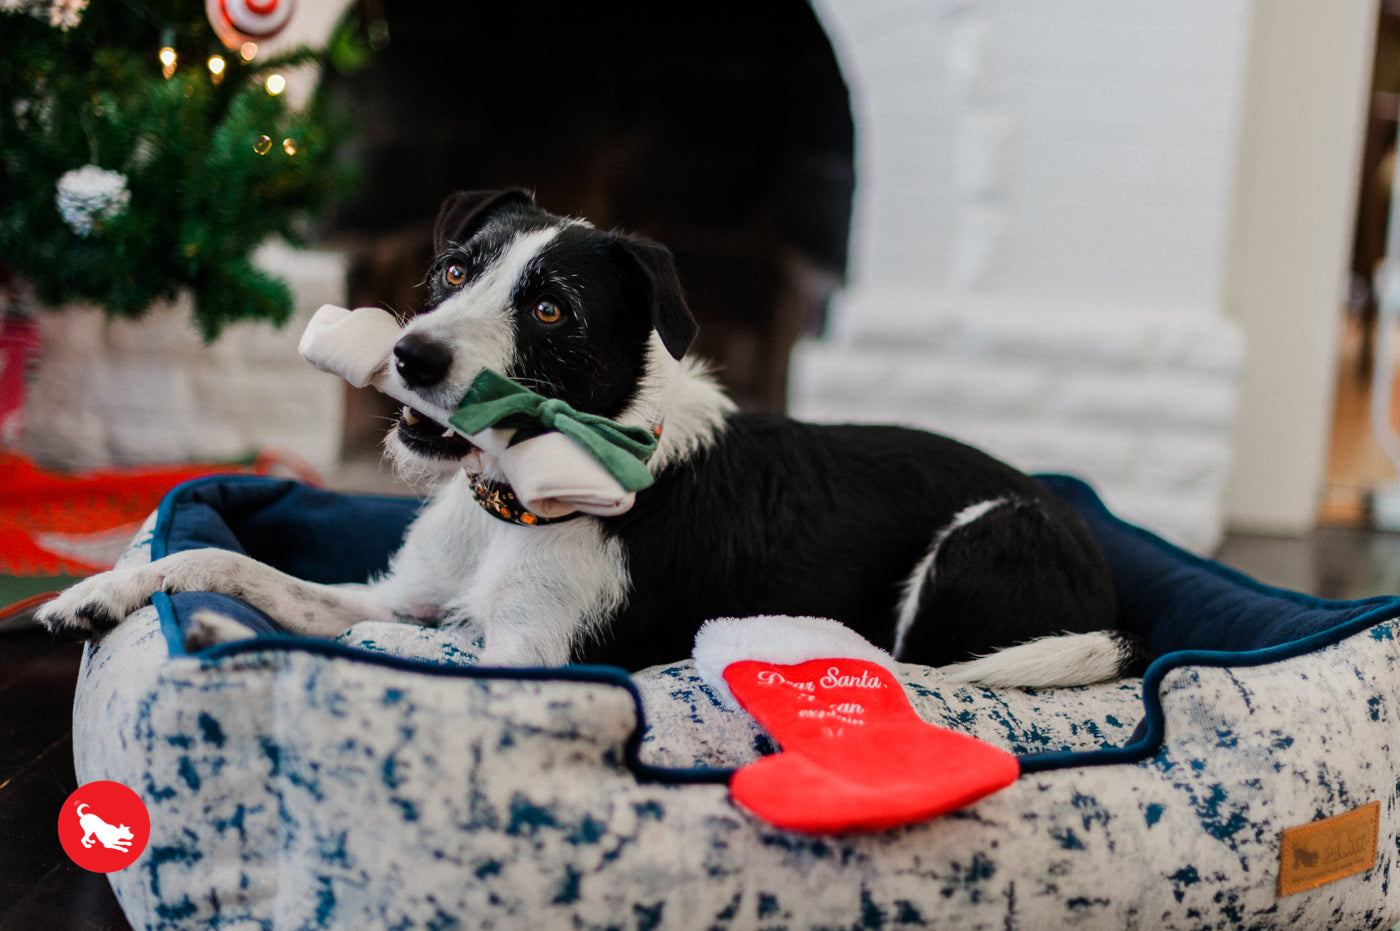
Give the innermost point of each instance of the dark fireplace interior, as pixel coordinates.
(720, 129)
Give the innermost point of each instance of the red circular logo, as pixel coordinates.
(104, 826)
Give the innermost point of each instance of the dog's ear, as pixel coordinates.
(660, 286)
(464, 213)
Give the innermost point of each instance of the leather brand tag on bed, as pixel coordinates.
(1316, 854)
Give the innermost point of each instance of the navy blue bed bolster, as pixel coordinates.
(311, 533)
(1178, 601)
(1181, 602)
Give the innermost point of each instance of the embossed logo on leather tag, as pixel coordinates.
(1316, 854)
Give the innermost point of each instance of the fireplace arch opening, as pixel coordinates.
(723, 130)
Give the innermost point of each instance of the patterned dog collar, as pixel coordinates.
(502, 503)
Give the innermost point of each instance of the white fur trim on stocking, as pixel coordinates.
(779, 640)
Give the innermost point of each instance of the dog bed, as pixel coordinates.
(383, 780)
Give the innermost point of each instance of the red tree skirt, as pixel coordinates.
(54, 523)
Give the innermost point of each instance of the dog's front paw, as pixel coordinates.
(501, 649)
(96, 605)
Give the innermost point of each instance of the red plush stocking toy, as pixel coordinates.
(855, 755)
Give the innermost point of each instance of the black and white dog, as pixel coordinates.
(928, 548)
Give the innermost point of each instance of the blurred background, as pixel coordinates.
(1129, 242)
(722, 130)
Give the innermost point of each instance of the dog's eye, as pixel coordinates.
(455, 275)
(548, 312)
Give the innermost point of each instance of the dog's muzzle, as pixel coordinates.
(426, 437)
(423, 363)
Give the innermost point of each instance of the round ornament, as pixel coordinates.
(237, 22)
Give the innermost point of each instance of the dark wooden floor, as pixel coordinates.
(40, 888)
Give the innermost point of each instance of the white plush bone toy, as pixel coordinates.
(551, 474)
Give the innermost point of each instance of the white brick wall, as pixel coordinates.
(1038, 239)
(1106, 396)
(151, 391)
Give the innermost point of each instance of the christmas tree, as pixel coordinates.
(142, 156)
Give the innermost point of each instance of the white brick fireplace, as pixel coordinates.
(1038, 240)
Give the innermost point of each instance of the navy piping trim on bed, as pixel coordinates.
(1153, 727)
(1148, 744)
(599, 675)
(1154, 723)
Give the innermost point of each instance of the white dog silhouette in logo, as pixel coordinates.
(113, 837)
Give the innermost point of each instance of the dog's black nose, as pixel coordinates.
(421, 362)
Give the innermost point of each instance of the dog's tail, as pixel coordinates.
(1057, 661)
(81, 809)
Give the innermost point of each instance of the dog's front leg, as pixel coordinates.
(537, 614)
(540, 594)
(527, 619)
(100, 603)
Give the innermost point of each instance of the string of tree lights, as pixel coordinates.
(151, 147)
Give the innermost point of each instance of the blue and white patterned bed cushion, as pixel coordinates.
(384, 781)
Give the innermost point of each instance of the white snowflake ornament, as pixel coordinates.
(88, 195)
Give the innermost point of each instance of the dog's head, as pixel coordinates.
(567, 310)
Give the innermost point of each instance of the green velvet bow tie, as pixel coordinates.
(496, 401)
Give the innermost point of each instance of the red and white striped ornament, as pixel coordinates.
(237, 22)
